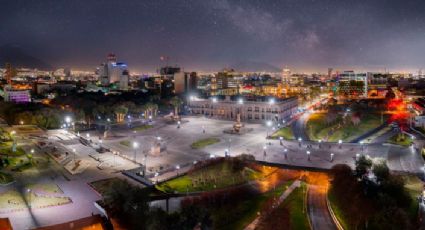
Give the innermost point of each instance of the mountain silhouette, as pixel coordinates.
(16, 56)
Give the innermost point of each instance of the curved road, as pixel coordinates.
(318, 209)
(299, 126)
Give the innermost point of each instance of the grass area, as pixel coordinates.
(5, 178)
(27, 128)
(401, 139)
(126, 143)
(142, 127)
(216, 176)
(102, 185)
(318, 129)
(40, 195)
(6, 149)
(204, 142)
(339, 213)
(249, 208)
(414, 186)
(50, 188)
(285, 132)
(295, 203)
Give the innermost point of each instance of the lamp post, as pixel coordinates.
(308, 155)
(264, 151)
(339, 143)
(74, 152)
(29, 197)
(286, 153)
(280, 140)
(269, 124)
(178, 124)
(320, 143)
(135, 147)
(332, 157)
(299, 141)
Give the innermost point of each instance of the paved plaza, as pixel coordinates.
(175, 157)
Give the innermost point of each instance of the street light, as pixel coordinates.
(214, 100)
(178, 124)
(226, 152)
(299, 141)
(29, 198)
(339, 143)
(280, 140)
(320, 143)
(269, 124)
(74, 151)
(308, 155)
(68, 119)
(332, 157)
(240, 101)
(135, 146)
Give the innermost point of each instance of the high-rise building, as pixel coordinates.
(112, 72)
(286, 75)
(185, 82)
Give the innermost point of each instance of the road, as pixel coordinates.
(318, 209)
(299, 127)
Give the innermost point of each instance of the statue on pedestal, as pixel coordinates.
(238, 125)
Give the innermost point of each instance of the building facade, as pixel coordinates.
(257, 110)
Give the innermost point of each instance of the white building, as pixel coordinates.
(16, 95)
(113, 72)
(257, 110)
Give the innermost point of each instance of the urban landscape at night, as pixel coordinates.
(212, 114)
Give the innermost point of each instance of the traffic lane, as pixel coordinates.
(318, 209)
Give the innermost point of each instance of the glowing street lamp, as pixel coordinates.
(214, 100)
(332, 157)
(240, 101)
(299, 141)
(135, 147)
(339, 143)
(269, 124)
(308, 155)
(74, 152)
(178, 124)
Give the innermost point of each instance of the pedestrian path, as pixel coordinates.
(284, 195)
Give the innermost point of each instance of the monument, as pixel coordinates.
(238, 128)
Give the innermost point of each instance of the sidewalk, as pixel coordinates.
(284, 195)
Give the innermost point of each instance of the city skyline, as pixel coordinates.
(306, 36)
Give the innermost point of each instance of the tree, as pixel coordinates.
(120, 111)
(176, 102)
(363, 165)
(381, 171)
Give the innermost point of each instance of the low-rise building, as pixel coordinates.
(251, 109)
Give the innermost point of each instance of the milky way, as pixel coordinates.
(210, 35)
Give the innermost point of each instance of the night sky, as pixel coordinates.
(306, 35)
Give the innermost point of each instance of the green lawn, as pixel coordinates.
(5, 178)
(414, 186)
(318, 129)
(401, 139)
(285, 132)
(295, 203)
(102, 185)
(126, 143)
(142, 127)
(248, 209)
(339, 213)
(220, 175)
(40, 195)
(199, 144)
